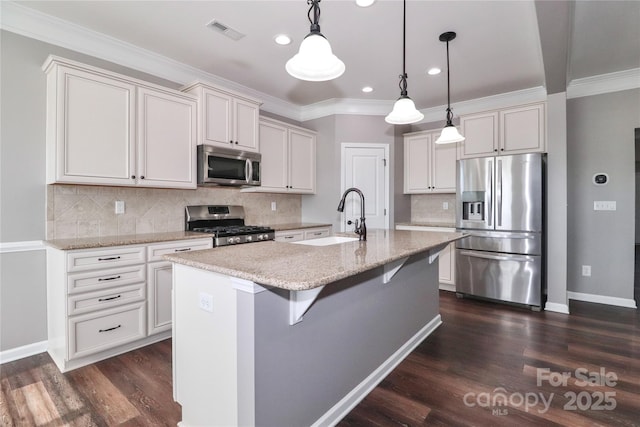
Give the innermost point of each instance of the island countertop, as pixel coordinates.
(300, 267)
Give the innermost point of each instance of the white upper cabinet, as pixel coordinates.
(508, 131)
(166, 139)
(107, 129)
(288, 159)
(428, 167)
(227, 119)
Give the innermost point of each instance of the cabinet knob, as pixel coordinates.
(502, 149)
(133, 177)
(236, 142)
(231, 142)
(495, 149)
(142, 177)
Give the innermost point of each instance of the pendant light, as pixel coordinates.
(450, 133)
(404, 110)
(315, 61)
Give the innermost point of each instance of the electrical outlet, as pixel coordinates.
(205, 302)
(445, 206)
(273, 206)
(119, 207)
(586, 270)
(604, 205)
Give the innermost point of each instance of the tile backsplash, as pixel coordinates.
(429, 208)
(75, 211)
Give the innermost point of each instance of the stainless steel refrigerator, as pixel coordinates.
(500, 204)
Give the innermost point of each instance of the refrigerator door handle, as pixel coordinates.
(476, 254)
(494, 235)
(499, 192)
(490, 173)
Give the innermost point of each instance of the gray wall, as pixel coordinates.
(332, 132)
(600, 138)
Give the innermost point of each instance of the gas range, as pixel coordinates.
(226, 224)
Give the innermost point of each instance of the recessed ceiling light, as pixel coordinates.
(282, 39)
(433, 71)
(367, 89)
(365, 3)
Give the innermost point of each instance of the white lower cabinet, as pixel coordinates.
(446, 259)
(302, 234)
(103, 302)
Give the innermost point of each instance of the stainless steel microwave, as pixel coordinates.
(224, 166)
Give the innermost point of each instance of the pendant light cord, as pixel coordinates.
(403, 76)
(315, 7)
(449, 113)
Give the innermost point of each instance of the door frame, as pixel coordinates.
(343, 148)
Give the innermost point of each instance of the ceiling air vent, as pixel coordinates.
(225, 29)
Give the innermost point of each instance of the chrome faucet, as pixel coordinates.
(361, 227)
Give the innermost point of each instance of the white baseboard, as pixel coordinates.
(557, 308)
(22, 352)
(447, 287)
(602, 299)
(351, 399)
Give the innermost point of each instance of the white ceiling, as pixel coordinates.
(498, 48)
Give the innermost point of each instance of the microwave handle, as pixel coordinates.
(248, 171)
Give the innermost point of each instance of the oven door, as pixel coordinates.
(222, 166)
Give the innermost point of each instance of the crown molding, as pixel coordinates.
(604, 83)
(31, 23)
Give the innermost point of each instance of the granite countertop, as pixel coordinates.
(300, 267)
(295, 226)
(444, 224)
(125, 239)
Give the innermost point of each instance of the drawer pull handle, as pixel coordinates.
(182, 250)
(288, 237)
(317, 234)
(110, 329)
(108, 278)
(109, 299)
(109, 259)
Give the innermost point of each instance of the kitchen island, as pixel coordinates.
(286, 334)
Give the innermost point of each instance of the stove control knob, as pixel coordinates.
(249, 238)
(260, 237)
(237, 240)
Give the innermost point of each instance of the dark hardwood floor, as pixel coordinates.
(481, 353)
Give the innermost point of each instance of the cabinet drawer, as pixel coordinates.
(107, 278)
(157, 250)
(94, 332)
(112, 297)
(317, 233)
(290, 236)
(89, 260)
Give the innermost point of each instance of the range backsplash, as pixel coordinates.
(75, 211)
(428, 208)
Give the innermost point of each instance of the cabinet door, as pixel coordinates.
(216, 126)
(166, 140)
(273, 147)
(416, 164)
(447, 264)
(443, 167)
(95, 132)
(522, 129)
(302, 161)
(159, 285)
(481, 135)
(245, 124)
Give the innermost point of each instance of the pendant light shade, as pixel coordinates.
(315, 60)
(404, 110)
(450, 133)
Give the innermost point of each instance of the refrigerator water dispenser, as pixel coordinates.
(473, 206)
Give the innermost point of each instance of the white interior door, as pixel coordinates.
(364, 166)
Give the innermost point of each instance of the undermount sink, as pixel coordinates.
(326, 241)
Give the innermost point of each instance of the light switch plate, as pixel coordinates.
(602, 205)
(205, 302)
(119, 207)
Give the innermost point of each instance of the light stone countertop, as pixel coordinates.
(443, 224)
(299, 267)
(122, 240)
(295, 226)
